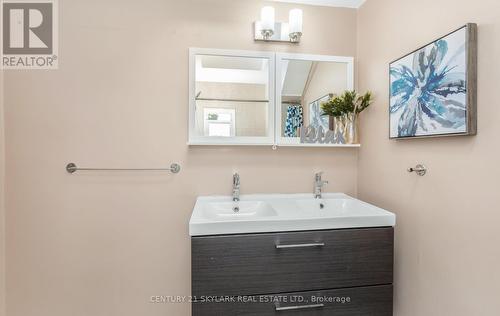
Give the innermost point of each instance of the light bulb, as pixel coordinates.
(267, 18)
(295, 21)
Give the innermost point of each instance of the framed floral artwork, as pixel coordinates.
(433, 89)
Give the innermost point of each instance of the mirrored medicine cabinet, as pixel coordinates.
(261, 98)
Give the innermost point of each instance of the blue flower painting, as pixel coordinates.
(428, 89)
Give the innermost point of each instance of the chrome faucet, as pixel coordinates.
(236, 187)
(318, 185)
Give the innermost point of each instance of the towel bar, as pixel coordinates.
(72, 168)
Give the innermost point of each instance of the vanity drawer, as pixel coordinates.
(291, 262)
(365, 301)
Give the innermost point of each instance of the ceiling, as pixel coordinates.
(229, 69)
(296, 74)
(226, 62)
(328, 3)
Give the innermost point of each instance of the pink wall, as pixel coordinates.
(2, 199)
(101, 244)
(447, 235)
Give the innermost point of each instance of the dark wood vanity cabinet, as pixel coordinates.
(331, 272)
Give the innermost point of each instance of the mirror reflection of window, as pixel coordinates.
(219, 122)
(305, 85)
(236, 89)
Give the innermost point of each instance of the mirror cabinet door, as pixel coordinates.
(232, 97)
(303, 83)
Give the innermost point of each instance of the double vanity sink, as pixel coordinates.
(291, 255)
(216, 215)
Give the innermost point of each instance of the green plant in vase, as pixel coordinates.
(344, 111)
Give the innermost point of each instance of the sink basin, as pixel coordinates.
(216, 215)
(241, 210)
(336, 207)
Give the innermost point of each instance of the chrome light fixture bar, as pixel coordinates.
(267, 29)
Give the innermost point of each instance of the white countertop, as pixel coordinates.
(218, 215)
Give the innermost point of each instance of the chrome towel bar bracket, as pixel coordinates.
(72, 168)
(419, 169)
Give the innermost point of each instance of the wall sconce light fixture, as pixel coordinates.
(267, 29)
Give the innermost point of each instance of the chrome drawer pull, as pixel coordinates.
(317, 244)
(289, 308)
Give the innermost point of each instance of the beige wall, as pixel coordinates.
(101, 244)
(2, 198)
(447, 235)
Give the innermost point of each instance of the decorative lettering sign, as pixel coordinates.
(311, 135)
